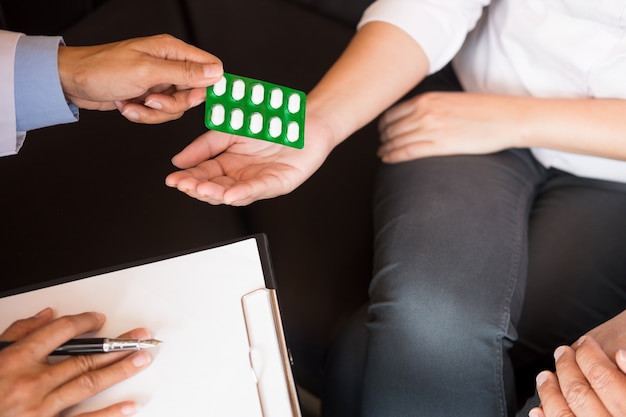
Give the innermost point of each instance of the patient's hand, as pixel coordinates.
(611, 335)
(225, 169)
(587, 383)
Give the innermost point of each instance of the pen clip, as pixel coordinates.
(270, 360)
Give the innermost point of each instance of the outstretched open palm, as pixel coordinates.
(219, 168)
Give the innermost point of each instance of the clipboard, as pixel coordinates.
(215, 309)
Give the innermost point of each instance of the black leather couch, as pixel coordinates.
(91, 195)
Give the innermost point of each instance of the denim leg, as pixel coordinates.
(449, 274)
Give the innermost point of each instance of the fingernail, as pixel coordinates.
(621, 355)
(559, 352)
(212, 70)
(141, 333)
(153, 104)
(45, 312)
(197, 102)
(131, 115)
(141, 359)
(129, 409)
(534, 413)
(581, 340)
(100, 316)
(541, 378)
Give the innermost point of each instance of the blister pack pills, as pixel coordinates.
(256, 109)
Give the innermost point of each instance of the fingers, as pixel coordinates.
(160, 108)
(552, 401)
(403, 137)
(217, 190)
(40, 342)
(203, 148)
(31, 383)
(575, 387)
(24, 327)
(127, 408)
(177, 102)
(536, 412)
(179, 63)
(602, 375)
(86, 375)
(91, 383)
(588, 384)
(74, 366)
(392, 116)
(173, 49)
(408, 147)
(186, 73)
(121, 74)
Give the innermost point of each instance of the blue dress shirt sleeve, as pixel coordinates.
(39, 98)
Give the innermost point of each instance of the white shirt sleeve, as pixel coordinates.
(10, 139)
(438, 26)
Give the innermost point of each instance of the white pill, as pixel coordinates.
(257, 94)
(217, 114)
(293, 132)
(276, 127)
(256, 122)
(276, 98)
(239, 89)
(220, 87)
(236, 119)
(294, 103)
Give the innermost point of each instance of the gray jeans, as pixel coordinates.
(483, 265)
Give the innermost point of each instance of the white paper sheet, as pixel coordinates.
(193, 304)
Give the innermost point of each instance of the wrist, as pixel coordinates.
(72, 74)
(324, 123)
(65, 64)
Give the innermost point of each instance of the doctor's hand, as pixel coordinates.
(150, 80)
(225, 169)
(30, 386)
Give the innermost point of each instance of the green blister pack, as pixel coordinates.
(256, 109)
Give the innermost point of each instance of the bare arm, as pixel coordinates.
(436, 124)
(367, 78)
(573, 125)
(381, 64)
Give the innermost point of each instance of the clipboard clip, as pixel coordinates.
(270, 360)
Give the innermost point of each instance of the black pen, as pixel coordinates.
(98, 345)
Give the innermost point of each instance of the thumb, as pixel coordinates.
(187, 74)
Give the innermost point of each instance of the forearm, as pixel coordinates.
(381, 64)
(585, 126)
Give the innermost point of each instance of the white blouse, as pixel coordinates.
(539, 48)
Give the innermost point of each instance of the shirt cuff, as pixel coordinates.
(439, 26)
(39, 98)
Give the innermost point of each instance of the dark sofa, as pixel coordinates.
(91, 195)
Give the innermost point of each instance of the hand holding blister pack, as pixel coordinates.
(256, 109)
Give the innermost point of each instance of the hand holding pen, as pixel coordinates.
(32, 386)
